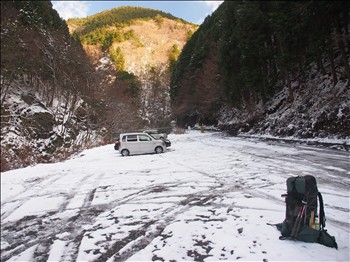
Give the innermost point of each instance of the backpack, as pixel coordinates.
(303, 221)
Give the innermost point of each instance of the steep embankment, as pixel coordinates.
(48, 88)
(277, 68)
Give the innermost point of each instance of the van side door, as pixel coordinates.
(146, 143)
(132, 144)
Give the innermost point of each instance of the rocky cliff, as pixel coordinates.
(49, 108)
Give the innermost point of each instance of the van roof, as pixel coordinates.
(133, 133)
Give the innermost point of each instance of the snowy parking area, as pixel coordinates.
(208, 198)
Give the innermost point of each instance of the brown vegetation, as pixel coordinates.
(49, 90)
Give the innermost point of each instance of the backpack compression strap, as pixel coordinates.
(322, 215)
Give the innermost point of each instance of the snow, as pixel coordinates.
(209, 197)
(33, 127)
(35, 206)
(104, 63)
(26, 255)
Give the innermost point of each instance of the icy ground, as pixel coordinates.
(209, 198)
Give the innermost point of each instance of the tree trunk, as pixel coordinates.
(345, 60)
(334, 73)
(320, 66)
(346, 23)
(342, 48)
(290, 90)
(5, 85)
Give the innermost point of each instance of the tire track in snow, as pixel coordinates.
(125, 249)
(46, 232)
(47, 184)
(38, 182)
(21, 200)
(86, 215)
(141, 237)
(121, 247)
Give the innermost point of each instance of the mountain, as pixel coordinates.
(273, 68)
(49, 89)
(65, 88)
(135, 47)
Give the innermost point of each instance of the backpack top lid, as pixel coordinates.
(302, 185)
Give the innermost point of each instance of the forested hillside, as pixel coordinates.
(273, 67)
(62, 93)
(134, 48)
(49, 89)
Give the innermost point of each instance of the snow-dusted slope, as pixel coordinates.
(49, 90)
(319, 110)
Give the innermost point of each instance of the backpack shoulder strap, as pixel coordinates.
(322, 220)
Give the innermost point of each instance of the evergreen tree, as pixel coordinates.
(118, 59)
(263, 45)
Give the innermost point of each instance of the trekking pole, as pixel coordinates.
(303, 214)
(297, 224)
(306, 209)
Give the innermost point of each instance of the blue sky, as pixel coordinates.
(191, 11)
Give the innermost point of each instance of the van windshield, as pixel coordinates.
(144, 138)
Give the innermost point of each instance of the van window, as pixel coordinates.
(124, 138)
(132, 138)
(144, 138)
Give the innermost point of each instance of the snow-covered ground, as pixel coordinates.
(209, 197)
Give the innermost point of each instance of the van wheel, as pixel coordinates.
(125, 152)
(159, 150)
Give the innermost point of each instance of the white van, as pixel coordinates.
(139, 143)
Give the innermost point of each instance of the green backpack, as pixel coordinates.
(302, 221)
